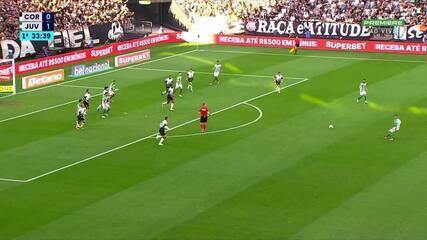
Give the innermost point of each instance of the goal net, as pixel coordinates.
(7, 76)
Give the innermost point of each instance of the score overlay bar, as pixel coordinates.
(31, 16)
(36, 26)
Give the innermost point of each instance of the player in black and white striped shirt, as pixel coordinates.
(168, 84)
(86, 98)
(169, 98)
(81, 114)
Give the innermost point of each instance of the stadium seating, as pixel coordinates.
(349, 11)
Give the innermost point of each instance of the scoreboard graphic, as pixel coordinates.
(36, 26)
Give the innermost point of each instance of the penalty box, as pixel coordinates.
(295, 81)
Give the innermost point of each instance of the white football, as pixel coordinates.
(331, 126)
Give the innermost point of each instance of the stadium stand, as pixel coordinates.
(234, 9)
(348, 11)
(69, 14)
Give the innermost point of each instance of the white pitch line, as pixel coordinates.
(48, 108)
(37, 111)
(197, 72)
(315, 56)
(148, 69)
(12, 180)
(43, 110)
(78, 86)
(99, 74)
(154, 134)
(260, 114)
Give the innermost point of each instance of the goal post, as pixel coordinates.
(7, 76)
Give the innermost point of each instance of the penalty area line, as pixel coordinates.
(78, 86)
(48, 108)
(155, 134)
(314, 56)
(44, 109)
(209, 73)
(12, 180)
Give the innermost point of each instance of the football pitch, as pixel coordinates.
(267, 168)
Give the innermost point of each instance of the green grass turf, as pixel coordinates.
(286, 176)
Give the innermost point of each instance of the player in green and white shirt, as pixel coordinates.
(396, 127)
(217, 71)
(363, 91)
(178, 84)
(105, 104)
(112, 89)
(105, 91)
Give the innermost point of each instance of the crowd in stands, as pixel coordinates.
(69, 14)
(349, 11)
(9, 22)
(233, 9)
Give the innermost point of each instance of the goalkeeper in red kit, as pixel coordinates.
(204, 113)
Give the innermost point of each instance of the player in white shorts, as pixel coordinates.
(112, 89)
(363, 91)
(278, 79)
(105, 91)
(190, 78)
(105, 105)
(396, 127)
(81, 115)
(178, 84)
(217, 71)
